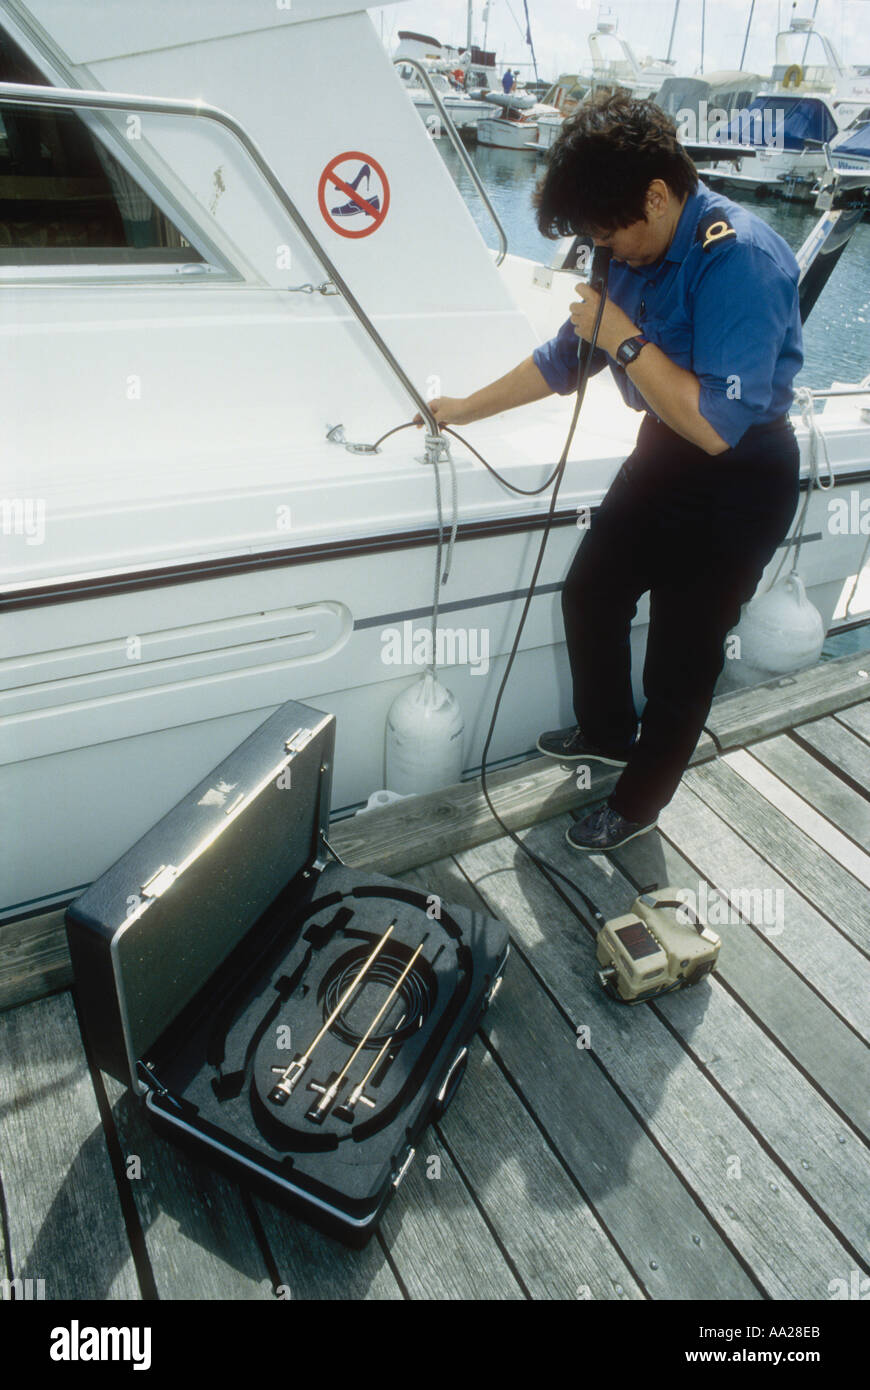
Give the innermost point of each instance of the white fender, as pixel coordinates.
(425, 732)
(779, 631)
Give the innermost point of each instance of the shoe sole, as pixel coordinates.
(582, 757)
(597, 849)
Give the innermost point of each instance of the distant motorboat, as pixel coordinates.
(787, 125)
(514, 133)
(464, 110)
(640, 77)
(624, 72)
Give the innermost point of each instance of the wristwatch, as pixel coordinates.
(628, 351)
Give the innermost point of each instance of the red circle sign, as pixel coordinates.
(354, 194)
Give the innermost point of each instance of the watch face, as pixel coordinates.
(629, 350)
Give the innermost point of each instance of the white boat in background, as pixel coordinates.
(465, 111)
(806, 106)
(475, 68)
(515, 132)
(197, 317)
(698, 103)
(616, 67)
(564, 96)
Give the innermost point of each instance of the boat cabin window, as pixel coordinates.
(64, 198)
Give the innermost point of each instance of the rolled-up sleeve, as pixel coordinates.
(557, 360)
(745, 305)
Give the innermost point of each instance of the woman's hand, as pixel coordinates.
(448, 410)
(616, 326)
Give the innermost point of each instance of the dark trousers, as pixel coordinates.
(695, 531)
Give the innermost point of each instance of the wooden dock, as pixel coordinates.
(709, 1146)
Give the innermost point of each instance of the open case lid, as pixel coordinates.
(148, 934)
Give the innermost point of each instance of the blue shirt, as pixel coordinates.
(722, 302)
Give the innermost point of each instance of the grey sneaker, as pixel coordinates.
(604, 829)
(570, 746)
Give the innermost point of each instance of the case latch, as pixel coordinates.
(297, 741)
(160, 881)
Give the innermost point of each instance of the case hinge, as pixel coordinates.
(145, 1072)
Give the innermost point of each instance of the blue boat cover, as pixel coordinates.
(786, 122)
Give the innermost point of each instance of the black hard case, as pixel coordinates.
(202, 931)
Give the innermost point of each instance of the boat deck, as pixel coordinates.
(711, 1145)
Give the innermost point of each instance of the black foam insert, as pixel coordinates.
(216, 1061)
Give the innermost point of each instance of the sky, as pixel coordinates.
(560, 29)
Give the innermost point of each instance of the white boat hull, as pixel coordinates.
(502, 134)
(784, 173)
(189, 550)
(464, 112)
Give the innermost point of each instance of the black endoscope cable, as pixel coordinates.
(598, 280)
(445, 429)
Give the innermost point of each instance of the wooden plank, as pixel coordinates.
(762, 1213)
(439, 1242)
(746, 715)
(858, 720)
(65, 1221)
(421, 829)
(673, 1248)
(822, 1155)
(197, 1231)
(555, 1243)
(736, 864)
(34, 960)
(557, 1246)
(830, 794)
(314, 1266)
(430, 827)
(805, 816)
(788, 850)
(829, 1052)
(843, 749)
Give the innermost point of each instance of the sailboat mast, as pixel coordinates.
(468, 30)
(674, 27)
(807, 44)
(746, 36)
(529, 38)
(703, 29)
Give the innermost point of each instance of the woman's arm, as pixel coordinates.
(671, 391)
(520, 386)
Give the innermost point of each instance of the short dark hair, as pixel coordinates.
(604, 160)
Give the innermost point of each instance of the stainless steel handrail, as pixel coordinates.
(22, 94)
(846, 391)
(453, 136)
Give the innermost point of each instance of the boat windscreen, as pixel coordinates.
(858, 143)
